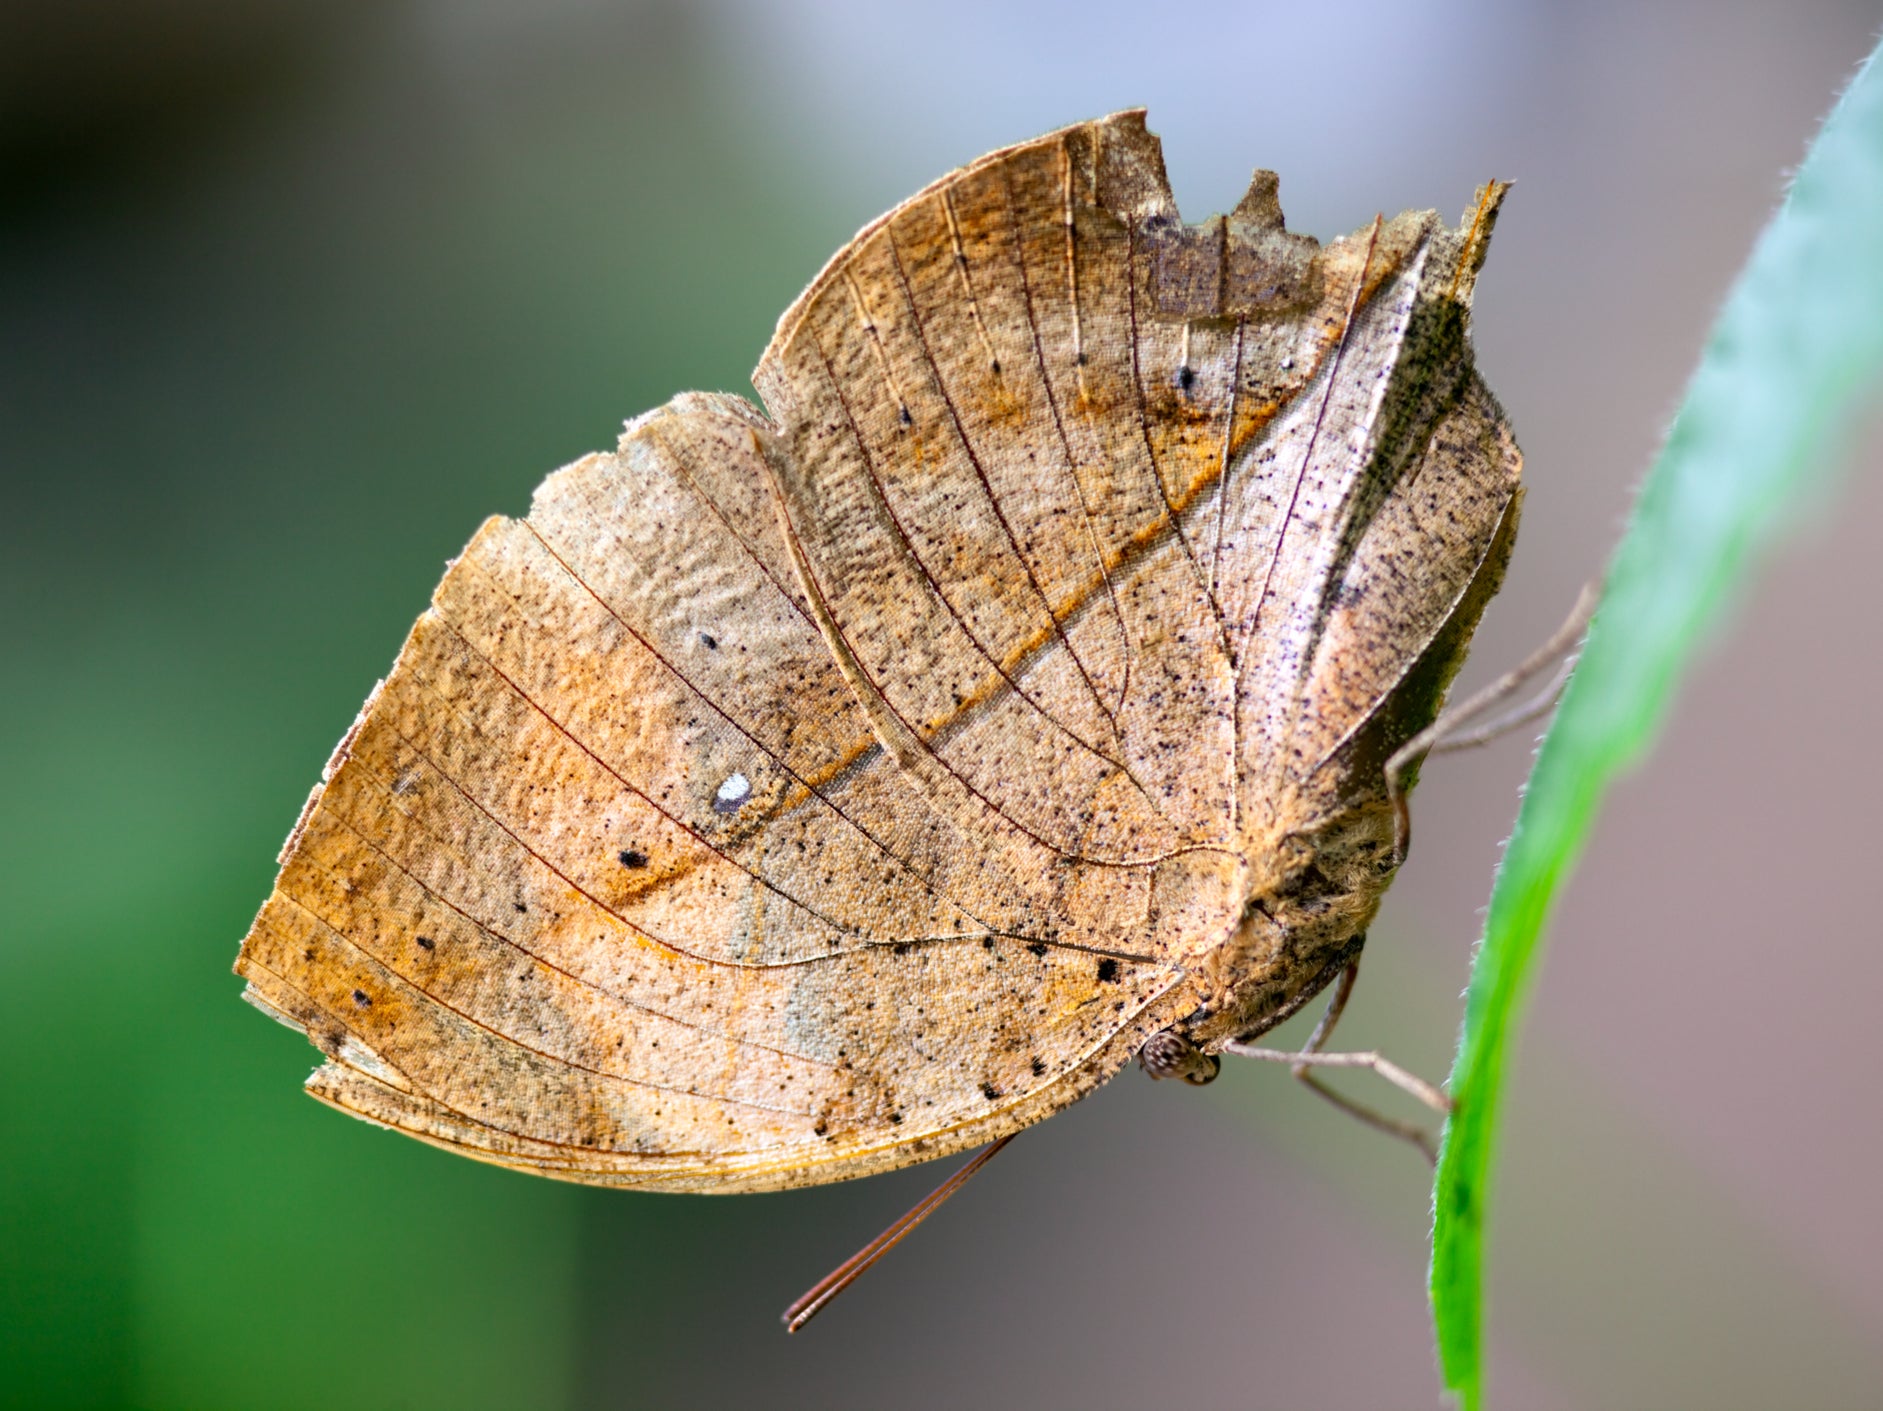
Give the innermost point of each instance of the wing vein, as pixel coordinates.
(1150, 444)
(1314, 436)
(523, 950)
(908, 543)
(629, 785)
(662, 942)
(1065, 442)
(980, 474)
(869, 679)
(686, 472)
(498, 1034)
(805, 784)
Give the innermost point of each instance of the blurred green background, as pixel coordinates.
(293, 295)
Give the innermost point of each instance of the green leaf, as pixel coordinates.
(1798, 344)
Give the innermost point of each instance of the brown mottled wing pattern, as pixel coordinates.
(789, 799)
(1373, 525)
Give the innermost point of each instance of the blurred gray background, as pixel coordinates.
(293, 294)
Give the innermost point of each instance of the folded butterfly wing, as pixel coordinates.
(789, 798)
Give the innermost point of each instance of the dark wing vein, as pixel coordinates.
(1150, 444)
(1065, 442)
(523, 950)
(679, 463)
(543, 1054)
(987, 487)
(1314, 436)
(915, 557)
(713, 705)
(869, 678)
(632, 788)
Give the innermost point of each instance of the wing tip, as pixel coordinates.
(1474, 239)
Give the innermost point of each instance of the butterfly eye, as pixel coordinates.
(1168, 1054)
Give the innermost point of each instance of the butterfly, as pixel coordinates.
(803, 793)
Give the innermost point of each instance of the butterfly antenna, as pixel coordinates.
(853, 1268)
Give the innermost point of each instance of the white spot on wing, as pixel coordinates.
(735, 791)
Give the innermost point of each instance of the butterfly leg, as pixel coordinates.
(1310, 1056)
(1444, 733)
(1499, 726)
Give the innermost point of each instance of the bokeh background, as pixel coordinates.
(293, 294)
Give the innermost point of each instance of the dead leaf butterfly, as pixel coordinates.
(803, 793)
